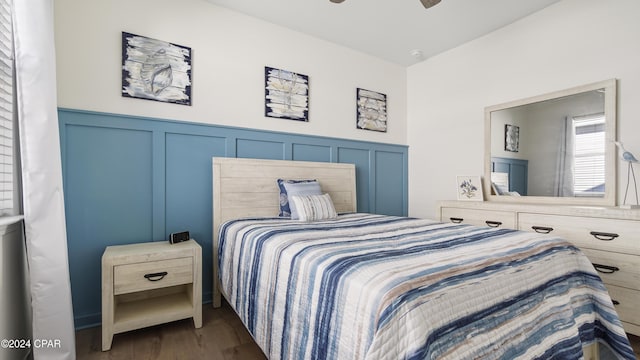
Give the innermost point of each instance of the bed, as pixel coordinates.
(366, 286)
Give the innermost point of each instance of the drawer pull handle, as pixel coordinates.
(542, 229)
(155, 276)
(456, 220)
(604, 236)
(493, 224)
(605, 269)
(615, 302)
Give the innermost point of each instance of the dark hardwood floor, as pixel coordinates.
(635, 342)
(222, 336)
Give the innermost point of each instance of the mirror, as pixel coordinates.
(556, 148)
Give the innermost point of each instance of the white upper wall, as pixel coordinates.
(436, 107)
(229, 53)
(570, 43)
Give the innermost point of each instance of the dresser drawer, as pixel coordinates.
(503, 219)
(588, 232)
(627, 301)
(615, 268)
(152, 275)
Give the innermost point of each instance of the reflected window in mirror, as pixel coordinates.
(588, 134)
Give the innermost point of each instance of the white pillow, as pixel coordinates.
(299, 187)
(314, 207)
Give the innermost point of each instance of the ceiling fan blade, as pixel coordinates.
(427, 3)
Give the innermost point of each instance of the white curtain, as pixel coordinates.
(43, 200)
(565, 161)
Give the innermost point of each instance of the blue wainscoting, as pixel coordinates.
(517, 169)
(131, 179)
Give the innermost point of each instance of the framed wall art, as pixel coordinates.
(155, 70)
(371, 110)
(286, 94)
(511, 138)
(469, 188)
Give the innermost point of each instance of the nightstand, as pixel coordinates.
(147, 284)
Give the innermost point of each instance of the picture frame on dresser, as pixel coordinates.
(469, 188)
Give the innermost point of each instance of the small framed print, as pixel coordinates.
(371, 108)
(286, 94)
(469, 188)
(511, 138)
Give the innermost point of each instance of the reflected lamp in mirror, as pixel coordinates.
(554, 148)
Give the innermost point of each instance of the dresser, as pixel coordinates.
(148, 284)
(610, 237)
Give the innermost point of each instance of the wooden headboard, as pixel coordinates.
(248, 188)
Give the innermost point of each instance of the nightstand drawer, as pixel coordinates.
(152, 275)
(615, 268)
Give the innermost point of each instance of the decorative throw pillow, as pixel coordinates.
(295, 187)
(314, 207)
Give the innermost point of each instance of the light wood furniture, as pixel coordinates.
(610, 237)
(148, 284)
(247, 187)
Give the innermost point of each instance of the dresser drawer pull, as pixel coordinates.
(456, 220)
(604, 236)
(605, 269)
(615, 302)
(493, 223)
(156, 276)
(542, 229)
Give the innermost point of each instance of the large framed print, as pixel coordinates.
(155, 70)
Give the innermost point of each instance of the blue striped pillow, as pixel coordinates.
(314, 207)
(295, 187)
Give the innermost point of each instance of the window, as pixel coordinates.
(7, 153)
(589, 148)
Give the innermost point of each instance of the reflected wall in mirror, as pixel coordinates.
(565, 150)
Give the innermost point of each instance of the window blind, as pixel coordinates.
(6, 111)
(589, 155)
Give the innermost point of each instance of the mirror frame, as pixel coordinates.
(610, 99)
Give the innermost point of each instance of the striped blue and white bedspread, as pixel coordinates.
(379, 287)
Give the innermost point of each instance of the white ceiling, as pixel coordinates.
(391, 29)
